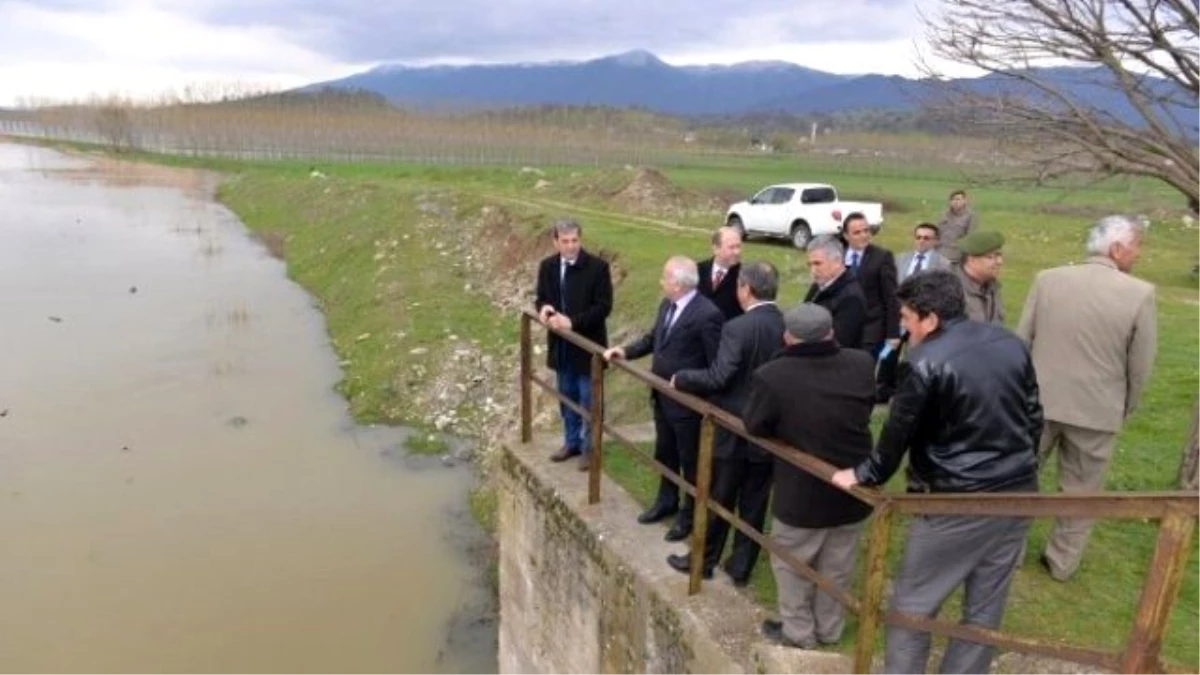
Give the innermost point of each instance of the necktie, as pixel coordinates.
(562, 287)
(670, 319)
(718, 277)
(854, 260)
(920, 263)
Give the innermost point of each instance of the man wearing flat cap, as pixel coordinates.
(979, 271)
(816, 522)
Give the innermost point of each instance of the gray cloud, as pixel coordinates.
(377, 30)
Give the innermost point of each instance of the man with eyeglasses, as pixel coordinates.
(924, 255)
(979, 271)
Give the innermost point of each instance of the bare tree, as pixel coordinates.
(1140, 56)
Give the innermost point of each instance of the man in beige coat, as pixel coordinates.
(1092, 330)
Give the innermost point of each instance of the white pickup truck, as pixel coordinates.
(798, 211)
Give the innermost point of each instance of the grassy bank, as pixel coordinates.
(418, 271)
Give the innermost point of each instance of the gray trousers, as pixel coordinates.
(809, 616)
(1083, 456)
(942, 553)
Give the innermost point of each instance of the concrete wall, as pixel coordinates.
(587, 589)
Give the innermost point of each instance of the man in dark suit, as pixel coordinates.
(828, 416)
(719, 274)
(836, 289)
(685, 336)
(574, 292)
(741, 479)
(875, 269)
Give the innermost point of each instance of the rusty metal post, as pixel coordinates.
(700, 504)
(526, 383)
(876, 577)
(596, 428)
(1167, 567)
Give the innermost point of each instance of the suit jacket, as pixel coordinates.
(845, 301)
(828, 416)
(1092, 331)
(933, 261)
(589, 299)
(691, 343)
(877, 275)
(747, 342)
(725, 295)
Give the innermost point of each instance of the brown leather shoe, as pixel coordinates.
(564, 453)
(585, 463)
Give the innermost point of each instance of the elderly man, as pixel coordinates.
(719, 274)
(957, 222)
(574, 292)
(979, 272)
(685, 336)
(1092, 330)
(968, 413)
(837, 290)
(815, 522)
(741, 480)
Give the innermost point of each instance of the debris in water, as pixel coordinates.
(55, 319)
(132, 289)
(237, 422)
(124, 448)
(4, 413)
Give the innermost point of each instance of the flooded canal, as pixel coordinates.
(180, 488)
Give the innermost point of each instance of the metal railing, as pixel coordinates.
(1176, 512)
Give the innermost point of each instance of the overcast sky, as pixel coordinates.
(73, 48)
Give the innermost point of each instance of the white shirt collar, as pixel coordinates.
(683, 302)
(760, 303)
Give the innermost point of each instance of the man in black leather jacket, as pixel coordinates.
(969, 414)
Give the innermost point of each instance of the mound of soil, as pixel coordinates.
(649, 189)
(651, 192)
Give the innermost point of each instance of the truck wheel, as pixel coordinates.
(801, 235)
(736, 223)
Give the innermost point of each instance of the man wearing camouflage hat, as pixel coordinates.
(979, 271)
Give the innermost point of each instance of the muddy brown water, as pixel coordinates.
(180, 488)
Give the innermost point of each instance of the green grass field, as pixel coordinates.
(377, 245)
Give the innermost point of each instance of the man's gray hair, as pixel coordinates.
(682, 270)
(761, 278)
(830, 245)
(1113, 230)
(567, 226)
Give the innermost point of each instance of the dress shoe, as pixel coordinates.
(564, 453)
(585, 463)
(1045, 562)
(657, 512)
(678, 532)
(773, 631)
(740, 580)
(682, 563)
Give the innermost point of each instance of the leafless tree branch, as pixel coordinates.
(1143, 53)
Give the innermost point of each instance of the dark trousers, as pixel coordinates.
(676, 442)
(887, 377)
(743, 487)
(578, 388)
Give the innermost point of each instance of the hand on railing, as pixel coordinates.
(614, 353)
(844, 478)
